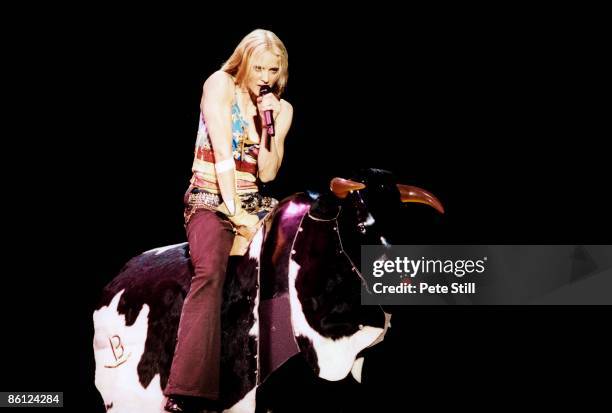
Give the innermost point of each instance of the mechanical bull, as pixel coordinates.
(295, 293)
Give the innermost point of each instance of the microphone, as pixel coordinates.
(264, 90)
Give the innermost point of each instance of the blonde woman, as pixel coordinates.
(234, 151)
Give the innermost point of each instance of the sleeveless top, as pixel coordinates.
(244, 150)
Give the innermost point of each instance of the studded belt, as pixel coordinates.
(253, 202)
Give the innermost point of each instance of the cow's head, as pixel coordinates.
(325, 265)
(367, 205)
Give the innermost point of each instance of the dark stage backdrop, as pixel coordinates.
(495, 115)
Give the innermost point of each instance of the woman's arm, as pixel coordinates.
(270, 161)
(216, 104)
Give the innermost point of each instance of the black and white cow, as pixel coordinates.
(295, 293)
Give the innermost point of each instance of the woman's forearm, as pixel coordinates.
(268, 160)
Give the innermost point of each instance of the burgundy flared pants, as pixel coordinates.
(196, 363)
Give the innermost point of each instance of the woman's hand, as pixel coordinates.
(268, 102)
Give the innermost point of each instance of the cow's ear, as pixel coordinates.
(341, 187)
(415, 194)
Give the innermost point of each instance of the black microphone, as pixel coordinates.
(269, 118)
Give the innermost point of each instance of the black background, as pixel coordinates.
(498, 112)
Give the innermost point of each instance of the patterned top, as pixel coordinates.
(245, 154)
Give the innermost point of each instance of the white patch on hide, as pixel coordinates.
(357, 368)
(255, 253)
(313, 195)
(256, 243)
(335, 357)
(369, 220)
(254, 331)
(117, 351)
(245, 405)
(161, 250)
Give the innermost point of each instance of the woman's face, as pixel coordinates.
(264, 70)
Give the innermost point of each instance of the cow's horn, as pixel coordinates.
(415, 194)
(341, 187)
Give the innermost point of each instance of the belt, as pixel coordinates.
(199, 198)
(252, 202)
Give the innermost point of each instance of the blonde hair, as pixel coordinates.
(238, 65)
